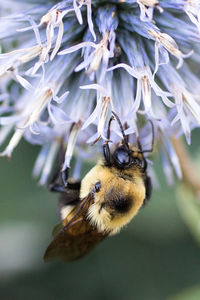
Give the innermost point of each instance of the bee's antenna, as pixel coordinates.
(122, 130)
(106, 149)
(108, 131)
(152, 144)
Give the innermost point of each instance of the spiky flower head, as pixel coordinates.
(65, 65)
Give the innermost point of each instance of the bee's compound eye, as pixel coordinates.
(122, 157)
(97, 186)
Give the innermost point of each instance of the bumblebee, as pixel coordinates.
(106, 199)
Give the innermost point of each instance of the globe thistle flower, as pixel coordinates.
(66, 65)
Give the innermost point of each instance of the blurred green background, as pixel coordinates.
(154, 257)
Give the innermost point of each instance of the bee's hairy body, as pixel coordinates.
(126, 188)
(107, 198)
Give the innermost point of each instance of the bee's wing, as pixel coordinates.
(70, 246)
(75, 239)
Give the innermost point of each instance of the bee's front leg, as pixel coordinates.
(59, 182)
(56, 183)
(56, 187)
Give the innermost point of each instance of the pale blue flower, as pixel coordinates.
(65, 66)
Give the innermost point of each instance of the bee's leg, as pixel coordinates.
(57, 188)
(59, 181)
(153, 137)
(148, 186)
(139, 144)
(152, 143)
(62, 188)
(108, 130)
(54, 184)
(72, 185)
(106, 152)
(125, 142)
(64, 176)
(126, 137)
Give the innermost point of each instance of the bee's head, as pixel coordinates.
(124, 158)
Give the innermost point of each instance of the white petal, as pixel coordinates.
(89, 19)
(77, 12)
(77, 47)
(23, 82)
(130, 70)
(95, 86)
(58, 41)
